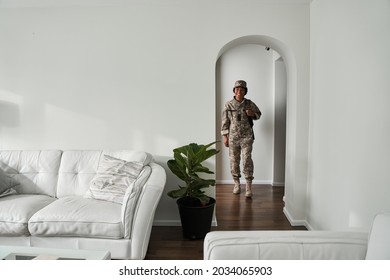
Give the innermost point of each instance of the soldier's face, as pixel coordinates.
(239, 93)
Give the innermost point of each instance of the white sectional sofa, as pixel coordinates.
(301, 245)
(80, 199)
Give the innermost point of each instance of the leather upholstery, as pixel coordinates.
(284, 245)
(36, 171)
(301, 245)
(78, 216)
(50, 210)
(379, 240)
(16, 211)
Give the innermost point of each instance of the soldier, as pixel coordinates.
(237, 132)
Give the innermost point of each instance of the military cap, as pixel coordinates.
(240, 83)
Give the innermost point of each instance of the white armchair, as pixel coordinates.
(301, 245)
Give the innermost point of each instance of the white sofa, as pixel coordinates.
(301, 245)
(52, 205)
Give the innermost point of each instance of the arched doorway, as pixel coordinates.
(290, 67)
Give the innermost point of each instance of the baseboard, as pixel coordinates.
(308, 226)
(167, 223)
(294, 222)
(175, 223)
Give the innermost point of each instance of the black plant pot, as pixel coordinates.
(195, 218)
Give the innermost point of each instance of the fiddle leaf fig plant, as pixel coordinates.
(187, 165)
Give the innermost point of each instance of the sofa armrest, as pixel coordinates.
(143, 215)
(285, 245)
(378, 247)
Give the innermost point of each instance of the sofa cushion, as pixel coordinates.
(16, 210)
(36, 171)
(78, 216)
(379, 238)
(7, 184)
(113, 178)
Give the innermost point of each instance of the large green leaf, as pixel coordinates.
(177, 169)
(202, 169)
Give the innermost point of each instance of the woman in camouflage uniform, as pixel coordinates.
(237, 132)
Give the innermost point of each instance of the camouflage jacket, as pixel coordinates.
(235, 122)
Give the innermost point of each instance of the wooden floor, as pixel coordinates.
(233, 212)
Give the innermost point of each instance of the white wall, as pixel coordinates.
(136, 74)
(280, 84)
(349, 118)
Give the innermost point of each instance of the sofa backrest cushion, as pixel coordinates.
(35, 171)
(379, 238)
(79, 167)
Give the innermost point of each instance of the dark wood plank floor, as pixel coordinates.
(234, 212)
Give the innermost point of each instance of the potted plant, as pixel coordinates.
(195, 207)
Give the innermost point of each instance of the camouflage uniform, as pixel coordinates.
(238, 126)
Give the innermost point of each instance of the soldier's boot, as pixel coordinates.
(237, 187)
(248, 189)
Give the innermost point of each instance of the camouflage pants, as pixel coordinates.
(237, 148)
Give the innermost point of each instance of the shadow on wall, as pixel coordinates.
(9, 114)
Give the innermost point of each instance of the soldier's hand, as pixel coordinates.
(226, 141)
(250, 113)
